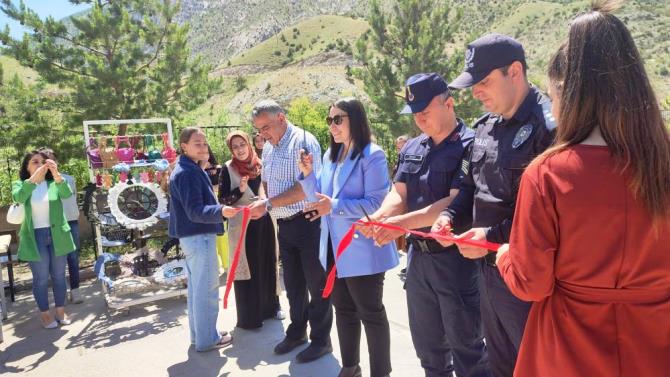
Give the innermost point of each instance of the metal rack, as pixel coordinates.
(109, 234)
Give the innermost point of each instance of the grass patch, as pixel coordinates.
(306, 39)
(11, 67)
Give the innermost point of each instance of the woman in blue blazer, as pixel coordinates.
(354, 176)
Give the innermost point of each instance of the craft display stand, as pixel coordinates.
(111, 226)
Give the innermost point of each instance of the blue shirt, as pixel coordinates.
(430, 171)
(280, 166)
(193, 206)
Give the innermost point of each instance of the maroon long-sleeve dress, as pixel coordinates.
(584, 249)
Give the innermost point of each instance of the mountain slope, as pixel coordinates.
(222, 29)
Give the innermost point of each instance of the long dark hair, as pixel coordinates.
(602, 83)
(23, 171)
(358, 127)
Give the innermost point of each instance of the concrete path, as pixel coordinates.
(153, 340)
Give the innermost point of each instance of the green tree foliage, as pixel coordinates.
(32, 117)
(410, 38)
(120, 59)
(310, 116)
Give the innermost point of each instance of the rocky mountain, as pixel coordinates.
(221, 29)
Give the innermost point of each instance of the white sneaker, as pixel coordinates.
(75, 296)
(280, 315)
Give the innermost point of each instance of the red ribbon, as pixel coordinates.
(246, 213)
(343, 245)
(348, 237)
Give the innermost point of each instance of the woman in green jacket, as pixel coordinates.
(44, 238)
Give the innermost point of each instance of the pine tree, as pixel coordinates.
(118, 60)
(410, 38)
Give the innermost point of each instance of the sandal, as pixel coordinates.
(224, 341)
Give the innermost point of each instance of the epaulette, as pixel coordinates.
(549, 120)
(481, 120)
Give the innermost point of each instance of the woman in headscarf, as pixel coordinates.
(256, 275)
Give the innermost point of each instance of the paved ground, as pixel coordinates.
(153, 341)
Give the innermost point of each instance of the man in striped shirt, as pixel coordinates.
(298, 237)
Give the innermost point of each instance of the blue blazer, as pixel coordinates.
(193, 206)
(363, 181)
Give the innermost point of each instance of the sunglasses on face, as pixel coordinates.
(337, 119)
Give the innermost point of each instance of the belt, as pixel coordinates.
(613, 295)
(490, 259)
(426, 245)
(292, 217)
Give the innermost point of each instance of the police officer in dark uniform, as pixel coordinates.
(442, 286)
(518, 127)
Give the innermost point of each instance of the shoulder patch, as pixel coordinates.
(549, 120)
(522, 135)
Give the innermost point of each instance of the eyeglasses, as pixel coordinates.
(337, 119)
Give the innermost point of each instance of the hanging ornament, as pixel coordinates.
(98, 179)
(106, 181)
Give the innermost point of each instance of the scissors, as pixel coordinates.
(366, 216)
(365, 213)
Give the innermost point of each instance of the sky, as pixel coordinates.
(56, 8)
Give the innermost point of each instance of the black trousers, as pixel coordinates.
(504, 318)
(304, 278)
(359, 299)
(444, 318)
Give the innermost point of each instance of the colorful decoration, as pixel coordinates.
(137, 206)
(106, 181)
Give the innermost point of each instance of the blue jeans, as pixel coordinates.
(202, 268)
(48, 265)
(73, 257)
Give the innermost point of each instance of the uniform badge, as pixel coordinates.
(409, 94)
(465, 166)
(413, 157)
(522, 135)
(469, 56)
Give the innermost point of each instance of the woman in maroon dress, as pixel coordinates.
(591, 233)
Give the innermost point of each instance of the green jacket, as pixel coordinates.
(60, 230)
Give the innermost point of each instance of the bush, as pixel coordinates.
(240, 83)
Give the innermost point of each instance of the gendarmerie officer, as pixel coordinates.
(442, 285)
(518, 127)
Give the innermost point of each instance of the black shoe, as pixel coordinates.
(287, 345)
(313, 352)
(354, 371)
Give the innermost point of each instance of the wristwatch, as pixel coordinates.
(268, 205)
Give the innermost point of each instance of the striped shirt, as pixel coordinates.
(280, 166)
